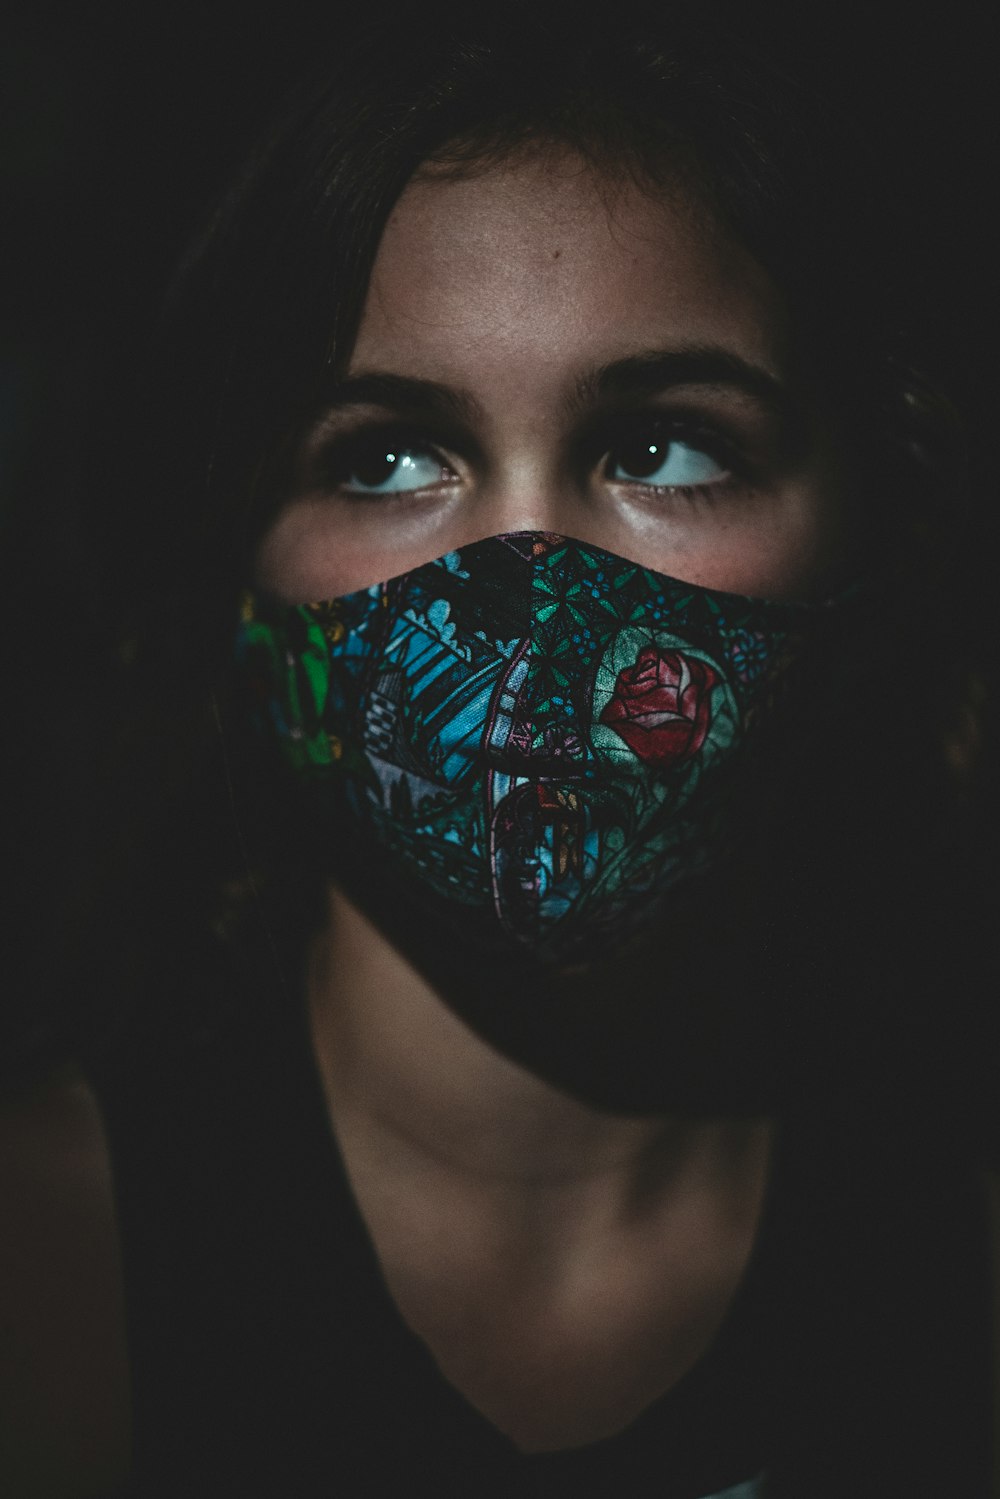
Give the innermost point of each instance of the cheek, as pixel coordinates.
(789, 552)
(792, 545)
(786, 544)
(321, 547)
(793, 539)
(305, 556)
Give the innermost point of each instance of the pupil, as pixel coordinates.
(642, 458)
(375, 467)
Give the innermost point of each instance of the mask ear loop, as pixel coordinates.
(258, 899)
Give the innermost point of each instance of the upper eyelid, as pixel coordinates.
(595, 436)
(324, 448)
(650, 373)
(437, 408)
(325, 456)
(349, 422)
(433, 431)
(692, 428)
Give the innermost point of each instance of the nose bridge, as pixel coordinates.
(530, 485)
(536, 505)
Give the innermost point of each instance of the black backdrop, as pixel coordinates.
(120, 122)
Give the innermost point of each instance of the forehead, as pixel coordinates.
(551, 261)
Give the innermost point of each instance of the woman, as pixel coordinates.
(526, 512)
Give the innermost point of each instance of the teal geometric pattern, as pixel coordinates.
(530, 725)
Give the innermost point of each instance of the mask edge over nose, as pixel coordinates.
(541, 734)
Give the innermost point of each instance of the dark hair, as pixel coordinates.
(265, 307)
(267, 300)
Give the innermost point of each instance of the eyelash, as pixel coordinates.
(341, 457)
(692, 432)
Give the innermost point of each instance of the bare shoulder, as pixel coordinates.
(63, 1368)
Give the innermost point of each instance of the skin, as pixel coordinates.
(564, 1265)
(512, 290)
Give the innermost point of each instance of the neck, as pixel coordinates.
(400, 1065)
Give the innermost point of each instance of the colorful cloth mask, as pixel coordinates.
(540, 734)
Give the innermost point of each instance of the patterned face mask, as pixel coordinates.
(538, 734)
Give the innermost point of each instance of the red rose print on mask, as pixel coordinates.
(661, 706)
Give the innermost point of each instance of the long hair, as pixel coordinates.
(262, 314)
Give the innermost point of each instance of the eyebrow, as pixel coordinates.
(380, 388)
(660, 369)
(643, 374)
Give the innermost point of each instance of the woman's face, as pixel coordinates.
(544, 348)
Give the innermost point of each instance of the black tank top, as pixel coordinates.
(268, 1357)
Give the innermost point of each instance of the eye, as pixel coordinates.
(385, 466)
(665, 461)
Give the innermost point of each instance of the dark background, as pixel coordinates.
(120, 121)
(119, 124)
